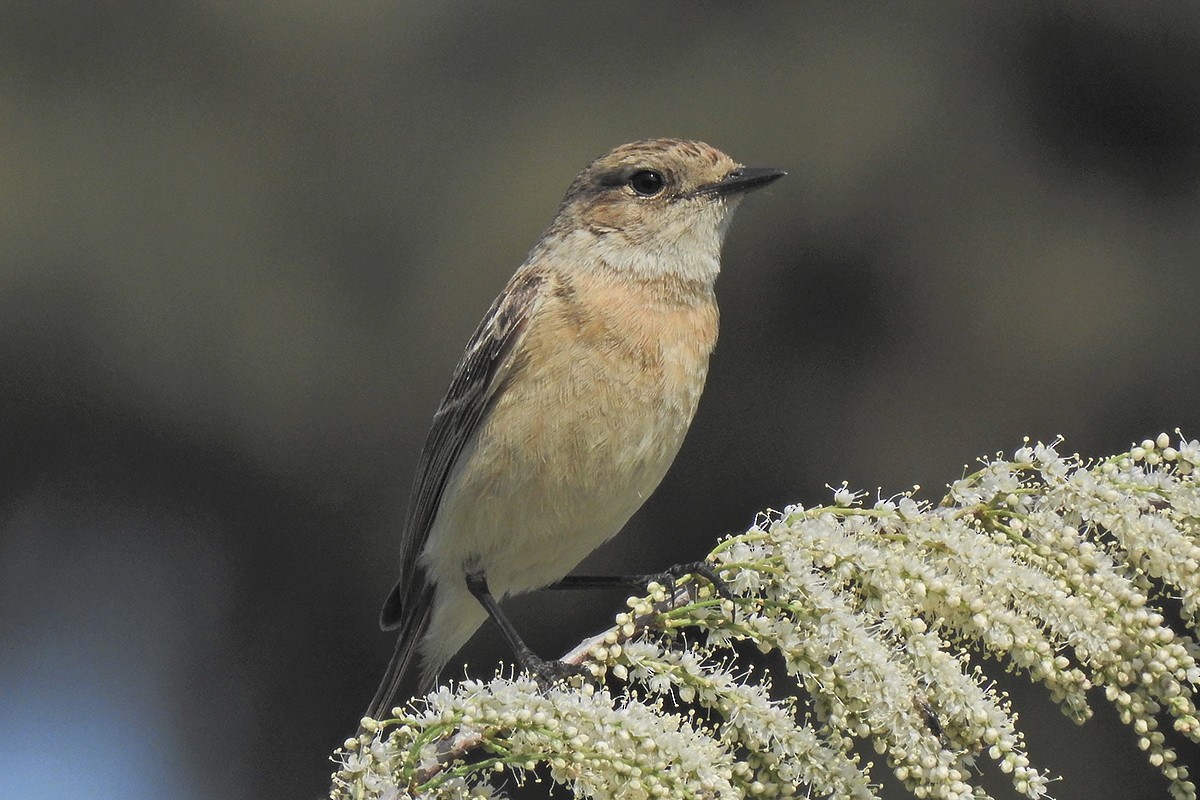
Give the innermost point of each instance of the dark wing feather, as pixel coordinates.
(478, 376)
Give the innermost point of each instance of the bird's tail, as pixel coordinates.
(411, 629)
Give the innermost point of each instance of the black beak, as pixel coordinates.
(742, 179)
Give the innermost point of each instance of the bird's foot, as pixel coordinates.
(550, 673)
(670, 577)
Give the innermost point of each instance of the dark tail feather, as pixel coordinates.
(412, 627)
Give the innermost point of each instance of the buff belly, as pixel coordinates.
(550, 479)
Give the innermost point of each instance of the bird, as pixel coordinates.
(571, 399)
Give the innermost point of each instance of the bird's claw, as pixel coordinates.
(669, 577)
(549, 673)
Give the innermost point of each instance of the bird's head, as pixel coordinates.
(655, 206)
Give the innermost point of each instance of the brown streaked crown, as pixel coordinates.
(687, 165)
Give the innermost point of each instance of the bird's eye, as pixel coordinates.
(647, 182)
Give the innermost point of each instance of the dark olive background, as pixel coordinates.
(242, 245)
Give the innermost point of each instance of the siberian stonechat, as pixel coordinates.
(572, 398)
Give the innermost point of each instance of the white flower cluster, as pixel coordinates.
(599, 745)
(780, 754)
(1051, 565)
(844, 610)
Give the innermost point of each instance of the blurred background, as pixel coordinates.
(242, 246)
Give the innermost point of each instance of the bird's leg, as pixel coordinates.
(546, 672)
(667, 578)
